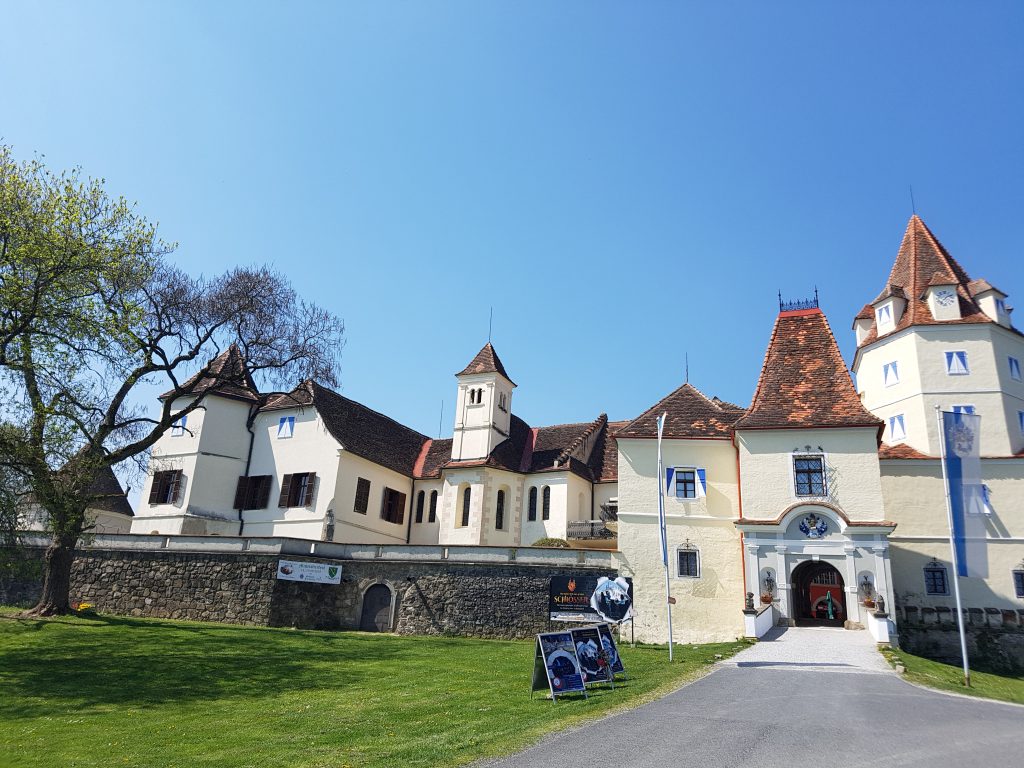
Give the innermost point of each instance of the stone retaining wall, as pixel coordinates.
(995, 637)
(457, 598)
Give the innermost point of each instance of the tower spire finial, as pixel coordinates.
(913, 207)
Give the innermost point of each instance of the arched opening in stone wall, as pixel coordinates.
(376, 614)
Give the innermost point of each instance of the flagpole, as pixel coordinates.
(952, 549)
(664, 534)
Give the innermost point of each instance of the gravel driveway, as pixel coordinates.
(800, 697)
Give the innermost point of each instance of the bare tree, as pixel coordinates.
(92, 313)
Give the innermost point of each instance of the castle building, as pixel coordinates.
(819, 498)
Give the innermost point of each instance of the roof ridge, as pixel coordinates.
(595, 425)
(654, 407)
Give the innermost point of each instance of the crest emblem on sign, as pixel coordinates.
(813, 527)
(962, 438)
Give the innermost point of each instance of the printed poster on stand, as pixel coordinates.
(590, 599)
(593, 664)
(611, 650)
(556, 666)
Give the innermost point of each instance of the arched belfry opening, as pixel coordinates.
(819, 594)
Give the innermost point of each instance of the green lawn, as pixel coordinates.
(135, 692)
(950, 677)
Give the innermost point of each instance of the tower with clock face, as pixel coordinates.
(935, 337)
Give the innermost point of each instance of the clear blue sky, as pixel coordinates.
(623, 182)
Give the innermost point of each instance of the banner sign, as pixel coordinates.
(593, 663)
(556, 666)
(318, 573)
(961, 433)
(590, 599)
(611, 651)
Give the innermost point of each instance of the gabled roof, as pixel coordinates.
(981, 285)
(107, 494)
(227, 376)
(360, 430)
(921, 262)
(486, 361)
(689, 413)
(604, 458)
(804, 381)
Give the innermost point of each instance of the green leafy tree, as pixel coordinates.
(92, 314)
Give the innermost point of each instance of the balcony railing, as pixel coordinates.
(589, 529)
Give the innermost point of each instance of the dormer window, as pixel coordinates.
(883, 315)
(1001, 306)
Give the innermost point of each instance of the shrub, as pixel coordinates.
(549, 541)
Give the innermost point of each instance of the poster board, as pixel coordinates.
(590, 599)
(556, 666)
(611, 650)
(300, 570)
(593, 663)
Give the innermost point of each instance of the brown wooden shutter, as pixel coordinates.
(241, 493)
(286, 487)
(263, 493)
(307, 494)
(175, 490)
(155, 496)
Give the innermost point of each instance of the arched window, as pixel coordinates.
(532, 515)
(472, 396)
(420, 497)
(499, 511)
(546, 508)
(467, 497)
(479, 395)
(432, 516)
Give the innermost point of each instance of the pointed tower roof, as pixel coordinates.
(689, 413)
(804, 382)
(922, 261)
(486, 361)
(226, 375)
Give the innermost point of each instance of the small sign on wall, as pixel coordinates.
(318, 573)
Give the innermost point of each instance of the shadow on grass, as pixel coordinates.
(119, 661)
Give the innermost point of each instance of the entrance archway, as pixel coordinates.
(376, 616)
(819, 594)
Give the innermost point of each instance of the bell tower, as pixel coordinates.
(483, 408)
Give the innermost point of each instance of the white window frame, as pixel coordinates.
(1014, 364)
(893, 367)
(286, 427)
(883, 315)
(824, 474)
(696, 553)
(949, 357)
(968, 409)
(700, 479)
(178, 427)
(901, 419)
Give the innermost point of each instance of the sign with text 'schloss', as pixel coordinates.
(590, 599)
(317, 573)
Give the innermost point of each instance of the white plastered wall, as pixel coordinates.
(852, 473)
(915, 499)
(708, 609)
(355, 528)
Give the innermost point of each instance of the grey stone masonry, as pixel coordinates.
(429, 596)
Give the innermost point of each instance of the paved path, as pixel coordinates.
(800, 697)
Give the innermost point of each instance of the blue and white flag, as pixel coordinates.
(661, 498)
(961, 433)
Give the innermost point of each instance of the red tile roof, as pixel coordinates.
(921, 262)
(804, 381)
(486, 361)
(901, 451)
(604, 459)
(689, 413)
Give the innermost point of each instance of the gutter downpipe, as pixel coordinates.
(253, 409)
